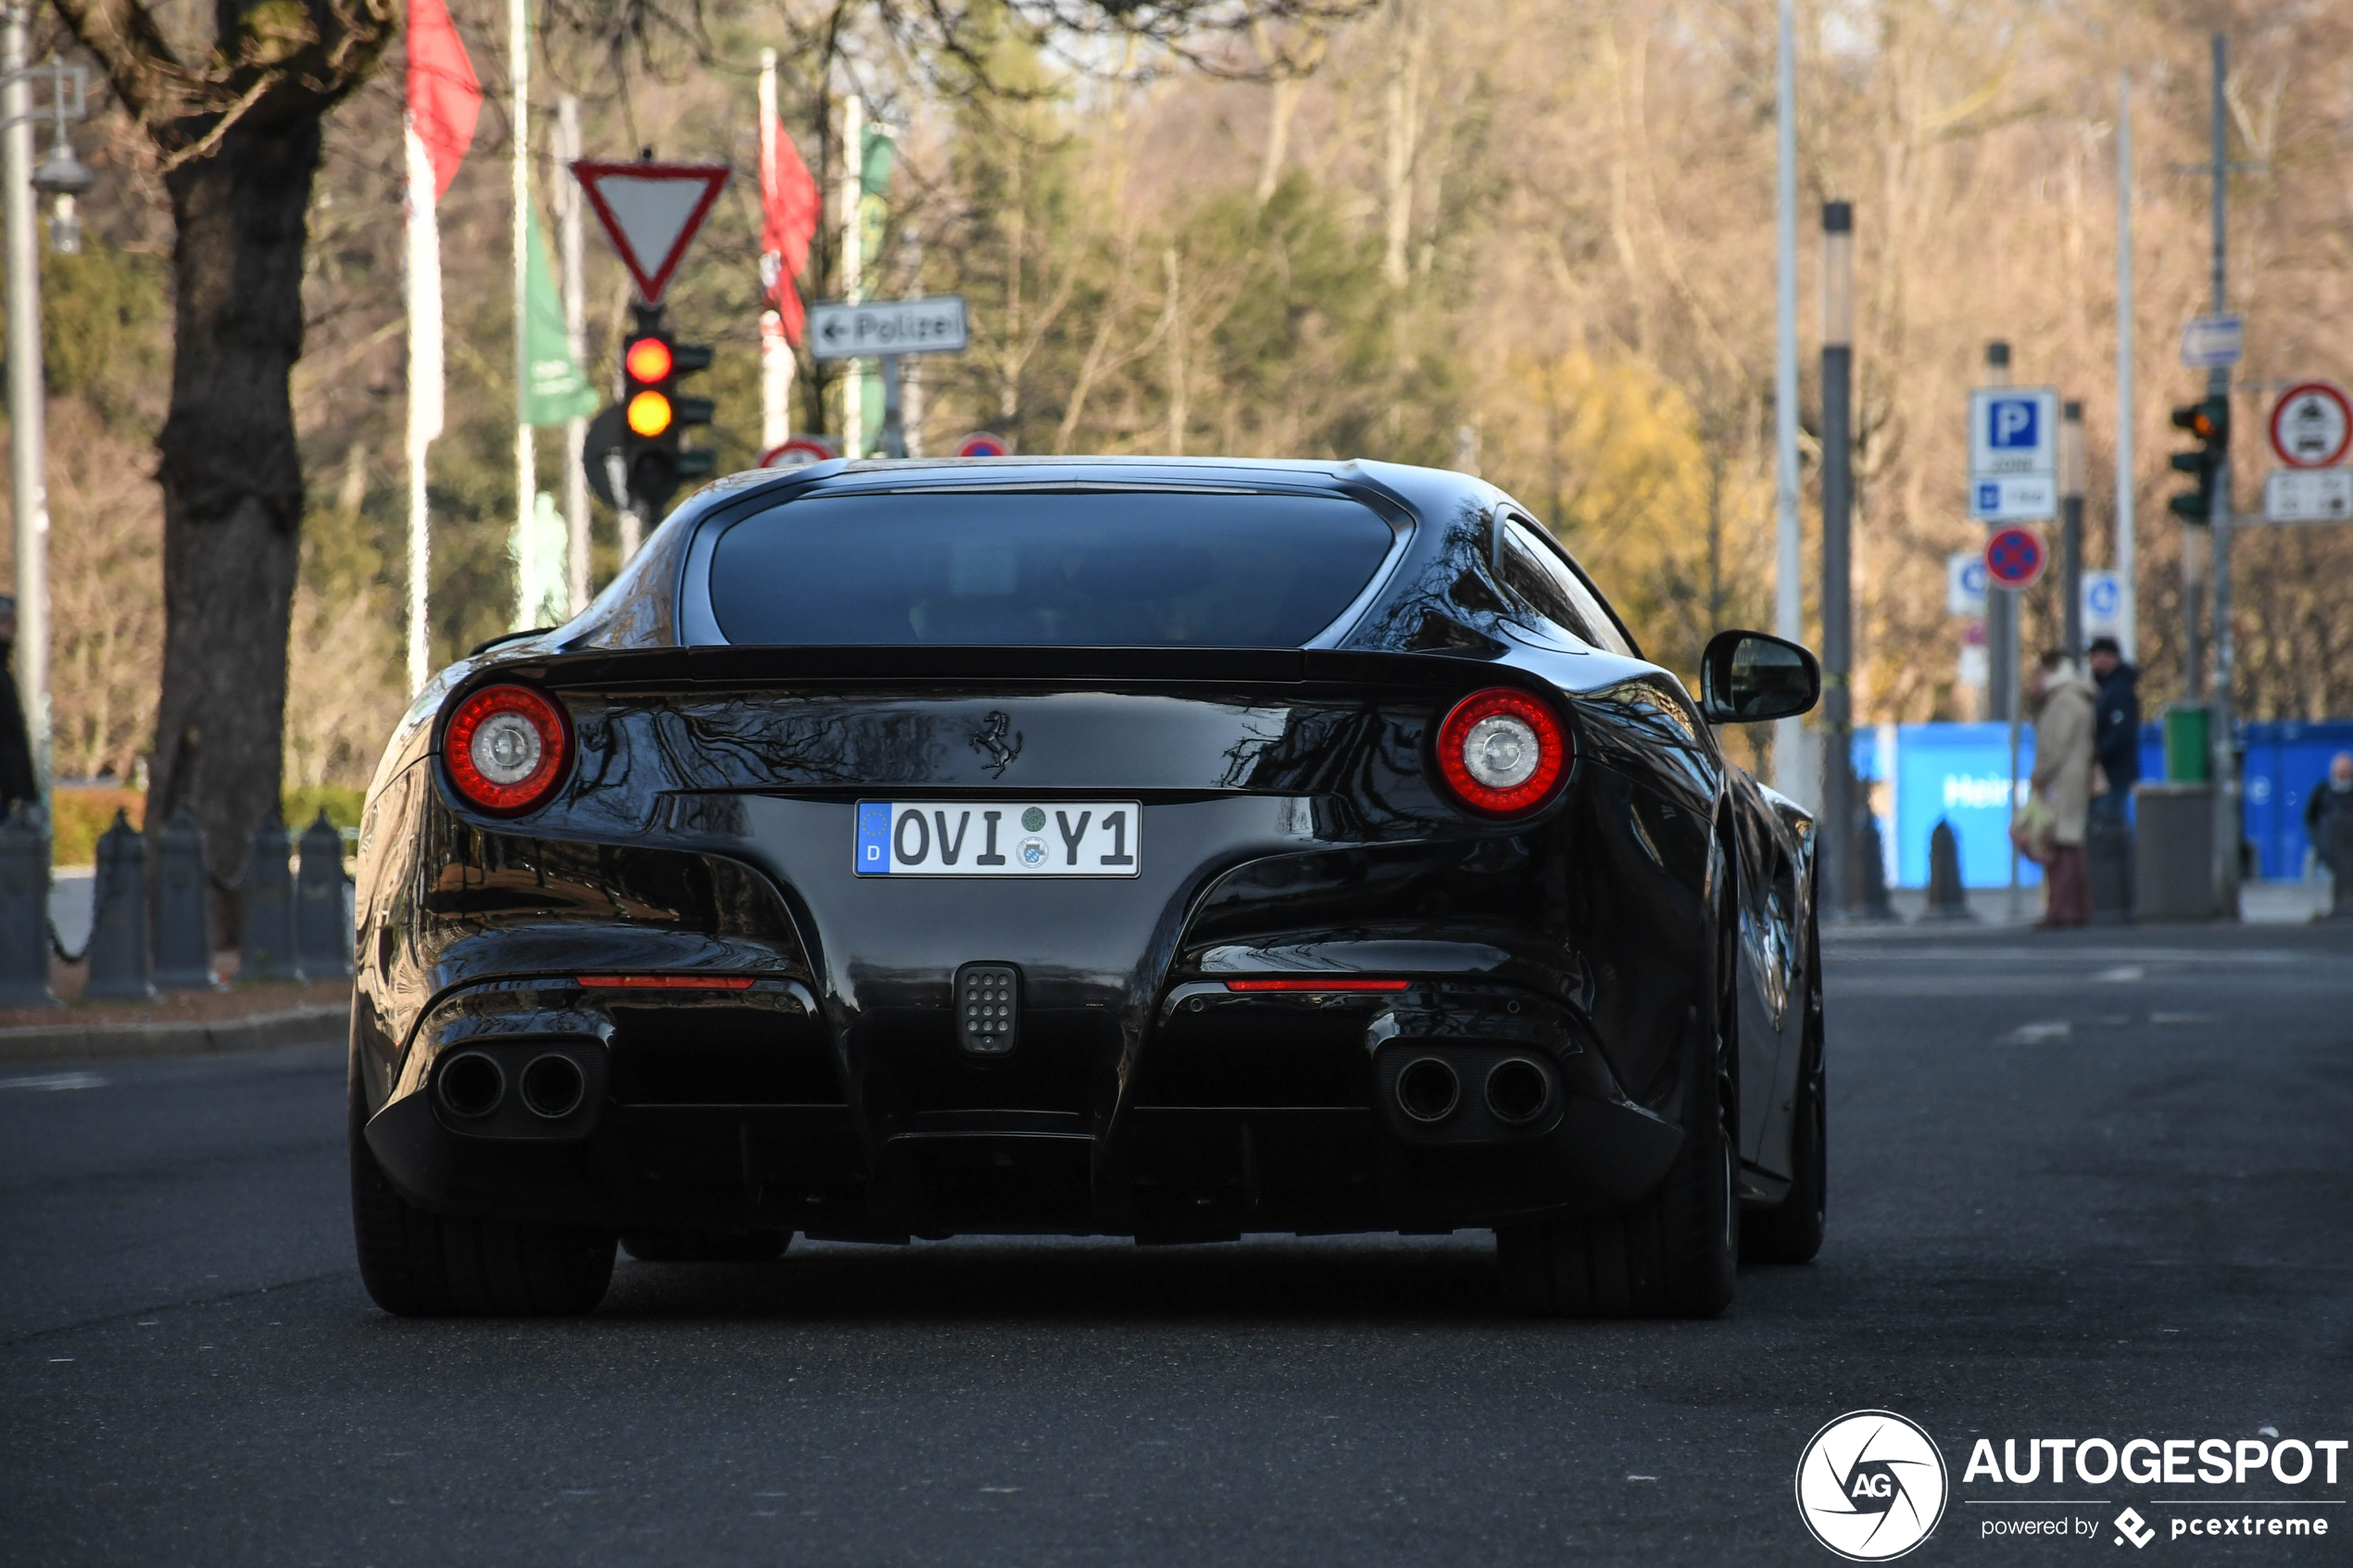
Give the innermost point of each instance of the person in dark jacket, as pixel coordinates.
(2331, 798)
(2116, 725)
(16, 782)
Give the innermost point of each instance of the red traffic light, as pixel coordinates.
(647, 360)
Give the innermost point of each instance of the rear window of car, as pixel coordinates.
(1087, 568)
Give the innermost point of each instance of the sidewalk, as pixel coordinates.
(228, 1018)
(2260, 903)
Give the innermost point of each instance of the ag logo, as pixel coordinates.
(1871, 1485)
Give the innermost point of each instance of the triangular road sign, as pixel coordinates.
(652, 210)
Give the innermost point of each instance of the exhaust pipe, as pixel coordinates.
(471, 1085)
(1519, 1091)
(552, 1087)
(1427, 1089)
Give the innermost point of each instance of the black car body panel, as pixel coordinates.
(703, 832)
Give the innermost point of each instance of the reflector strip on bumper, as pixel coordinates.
(668, 982)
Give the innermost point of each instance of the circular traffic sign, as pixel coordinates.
(799, 452)
(980, 444)
(2015, 556)
(2311, 425)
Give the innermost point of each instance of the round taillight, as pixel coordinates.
(1502, 751)
(505, 748)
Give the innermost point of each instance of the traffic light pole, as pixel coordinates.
(2218, 385)
(27, 413)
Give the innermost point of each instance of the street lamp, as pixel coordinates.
(63, 176)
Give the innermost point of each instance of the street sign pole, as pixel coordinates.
(894, 430)
(2015, 560)
(2072, 524)
(1839, 837)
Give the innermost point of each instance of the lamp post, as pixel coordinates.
(62, 176)
(1838, 499)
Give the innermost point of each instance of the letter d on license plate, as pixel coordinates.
(999, 838)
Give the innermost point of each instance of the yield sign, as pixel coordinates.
(652, 210)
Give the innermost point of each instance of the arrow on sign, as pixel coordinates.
(651, 211)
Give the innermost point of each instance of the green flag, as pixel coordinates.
(553, 390)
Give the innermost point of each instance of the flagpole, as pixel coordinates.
(422, 287)
(1791, 774)
(575, 431)
(775, 354)
(527, 457)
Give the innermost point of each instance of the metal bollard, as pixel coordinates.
(117, 950)
(2341, 862)
(1947, 898)
(183, 914)
(1871, 851)
(323, 920)
(24, 909)
(265, 907)
(2108, 853)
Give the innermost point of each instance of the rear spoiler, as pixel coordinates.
(606, 668)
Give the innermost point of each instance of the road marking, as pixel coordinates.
(2183, 1018)
(55, 1081)
(2122, 971)
(2036, 1033)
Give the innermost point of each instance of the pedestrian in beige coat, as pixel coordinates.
(2062, 782)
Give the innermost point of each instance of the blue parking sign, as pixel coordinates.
(2011, 424)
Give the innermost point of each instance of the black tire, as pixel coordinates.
(707, 1246)
(1791, 1231)
(1673, 1254)
(418, 1263)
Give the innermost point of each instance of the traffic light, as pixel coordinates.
(654, 415)
(2210, 422)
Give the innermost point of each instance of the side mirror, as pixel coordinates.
(1747, 676)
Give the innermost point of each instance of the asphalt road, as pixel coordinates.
(2099, 1185)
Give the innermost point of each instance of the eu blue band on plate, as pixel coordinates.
(873, 838)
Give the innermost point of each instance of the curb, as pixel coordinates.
(295, 1026)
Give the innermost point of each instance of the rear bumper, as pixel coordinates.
(1218, 1115)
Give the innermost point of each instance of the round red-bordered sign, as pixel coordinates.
(2312, 425)
(2015, 556)
(799, 452)
(980, 444)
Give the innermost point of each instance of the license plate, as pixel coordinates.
(999, 838)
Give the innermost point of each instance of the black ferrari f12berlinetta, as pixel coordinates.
(1174, 849)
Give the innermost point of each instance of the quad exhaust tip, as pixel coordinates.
(1519, 1091)
(552, 1087)
(1427, 1089)
(471, 1084)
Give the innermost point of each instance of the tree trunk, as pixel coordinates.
(232, 482)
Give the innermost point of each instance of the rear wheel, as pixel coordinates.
(707, 1246)
(1791, 1232)
(1673, 1254)
(418, 1263)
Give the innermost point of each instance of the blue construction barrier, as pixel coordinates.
(2284, 762)
(1961, 773)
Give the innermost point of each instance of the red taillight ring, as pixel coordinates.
(506, 747)
(1504, 723)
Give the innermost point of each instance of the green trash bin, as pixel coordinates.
(2188, 758)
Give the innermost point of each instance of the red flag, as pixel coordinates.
(445, 97)
(789, 217)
